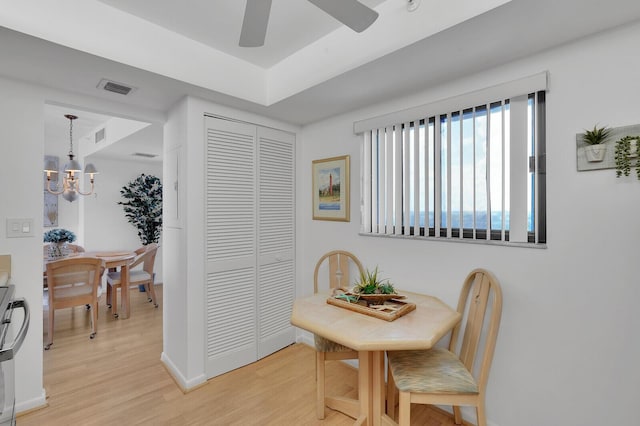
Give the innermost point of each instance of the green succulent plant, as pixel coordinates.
(370, 283)
(597, 135)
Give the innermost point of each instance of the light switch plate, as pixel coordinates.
(19, 228)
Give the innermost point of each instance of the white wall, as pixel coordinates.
(567, 351)
(21, 151)
(175, 321)
(105, 225)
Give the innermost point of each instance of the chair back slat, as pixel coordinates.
(74, 280)
(481, 304)
(338, 270)
(150, 258)
(477, 298)
(339, 265)
(147, 256)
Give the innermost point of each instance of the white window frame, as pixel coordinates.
(389, 163)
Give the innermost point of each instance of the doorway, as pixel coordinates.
(121, 149)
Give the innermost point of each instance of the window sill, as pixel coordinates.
(458, 240)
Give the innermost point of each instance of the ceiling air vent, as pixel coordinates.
(112, 86)
(144, 154)
(99, 135)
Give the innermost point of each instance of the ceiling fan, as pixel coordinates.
(351, 13)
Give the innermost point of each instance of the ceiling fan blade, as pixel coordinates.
(254, 25)
(351, 13)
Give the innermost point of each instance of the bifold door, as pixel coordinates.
(250, 224)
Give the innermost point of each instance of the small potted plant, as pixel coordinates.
(59, 238)
(595, 139)
(626, 150)
(373, 289)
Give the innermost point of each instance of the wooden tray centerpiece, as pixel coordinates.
(372, 296)
(390, 310)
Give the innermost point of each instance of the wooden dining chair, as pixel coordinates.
(340, 263)
(73, 282)
(146, 256)
(452, 377)
(74, 248)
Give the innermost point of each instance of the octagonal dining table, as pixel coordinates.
(421, 328)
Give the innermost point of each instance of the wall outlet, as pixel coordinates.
(19, 228)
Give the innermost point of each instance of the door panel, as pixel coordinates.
(230, 246)
(276, 239)
(250, 236)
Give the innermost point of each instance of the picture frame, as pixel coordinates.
(50, 213)
(330, 192)
(50, 218)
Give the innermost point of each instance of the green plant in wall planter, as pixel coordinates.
(595, 139)
(143, 206)
(625, 152)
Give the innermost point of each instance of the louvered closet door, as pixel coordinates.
(276, 238)
(231, 213)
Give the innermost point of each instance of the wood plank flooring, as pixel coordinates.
(118, 379)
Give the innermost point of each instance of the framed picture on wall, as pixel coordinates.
(50, 210)
(50, 213)
(331, 189)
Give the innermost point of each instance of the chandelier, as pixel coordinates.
(72, 172)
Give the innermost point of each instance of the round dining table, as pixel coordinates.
(113, 260)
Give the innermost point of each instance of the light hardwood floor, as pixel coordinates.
(118, 379)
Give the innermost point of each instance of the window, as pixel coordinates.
(460, 172)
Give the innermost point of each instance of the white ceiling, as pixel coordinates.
(217, 24)
(147, 141)
(57, 125)
(310, 67)
(95, 27)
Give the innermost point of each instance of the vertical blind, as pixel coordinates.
(459, 168)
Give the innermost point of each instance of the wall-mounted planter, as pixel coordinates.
(595, 153)
(587, 161)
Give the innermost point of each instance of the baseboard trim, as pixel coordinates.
(35, 404)
(185, 385)
(306, 338)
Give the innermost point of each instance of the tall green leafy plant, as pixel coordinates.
(143, 206)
